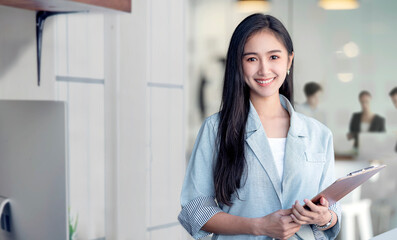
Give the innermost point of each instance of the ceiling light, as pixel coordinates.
(345, 77)
(253, 5)
(351, 50)
(338, 4)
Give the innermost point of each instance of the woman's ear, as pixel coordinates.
(290, 58)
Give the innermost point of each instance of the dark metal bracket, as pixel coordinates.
(5, 217)
(41, 16)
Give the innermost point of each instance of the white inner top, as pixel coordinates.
(364, 127)
(277, 145)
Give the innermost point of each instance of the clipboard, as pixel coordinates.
(344, 185)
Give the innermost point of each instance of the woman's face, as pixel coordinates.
(314, 100)
(265, 64)
(394, 100)
(365, 102)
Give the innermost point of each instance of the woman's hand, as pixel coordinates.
(349, 136)
(318, 214)
(278, 225)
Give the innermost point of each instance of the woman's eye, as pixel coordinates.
(274, 57)
(251, 59)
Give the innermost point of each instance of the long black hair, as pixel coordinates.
(235, 105)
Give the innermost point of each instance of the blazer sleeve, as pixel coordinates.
(354, 123)
(198, 194)
(327, 179)
(382, 124)
(354, 127)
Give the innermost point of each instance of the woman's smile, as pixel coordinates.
(264, 82)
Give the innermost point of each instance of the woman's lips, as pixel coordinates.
(264, 82)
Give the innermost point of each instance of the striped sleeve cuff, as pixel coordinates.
(318, 234)
(196, 213)
(332, 232)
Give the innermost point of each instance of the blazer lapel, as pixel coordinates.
(257, 141)
(294, 154)
(294, 149)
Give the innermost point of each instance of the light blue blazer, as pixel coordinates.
(308, 169)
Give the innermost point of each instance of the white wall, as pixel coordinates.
(145, 120)
(79, 56)
(151, 120)
(18, 70)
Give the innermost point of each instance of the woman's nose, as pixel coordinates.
(263, 68)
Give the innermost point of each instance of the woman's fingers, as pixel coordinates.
(313, 207)
(300, 217)
(297, 220)
(285, 212)
(280, 225)
(295, 228)
(324, 202)
(289, 230)
(316, 213)
(320, 209)
(302, 211)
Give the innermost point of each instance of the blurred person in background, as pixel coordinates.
(313, 92)
(366, 120)
(393, 96)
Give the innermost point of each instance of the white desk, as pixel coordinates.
(390, 235)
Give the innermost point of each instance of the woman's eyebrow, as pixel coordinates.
(274, 51)
(250, 53)
(255, 53)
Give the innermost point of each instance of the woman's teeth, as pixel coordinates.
(265, 81)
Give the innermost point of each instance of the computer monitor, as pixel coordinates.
(33, 169)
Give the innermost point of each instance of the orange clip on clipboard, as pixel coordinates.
(344, 185)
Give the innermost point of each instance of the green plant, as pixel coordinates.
(72, 226)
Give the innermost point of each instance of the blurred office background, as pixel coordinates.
(139, 85)
(344, 46)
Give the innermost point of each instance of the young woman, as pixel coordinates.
(256, 160)
(366, 120)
